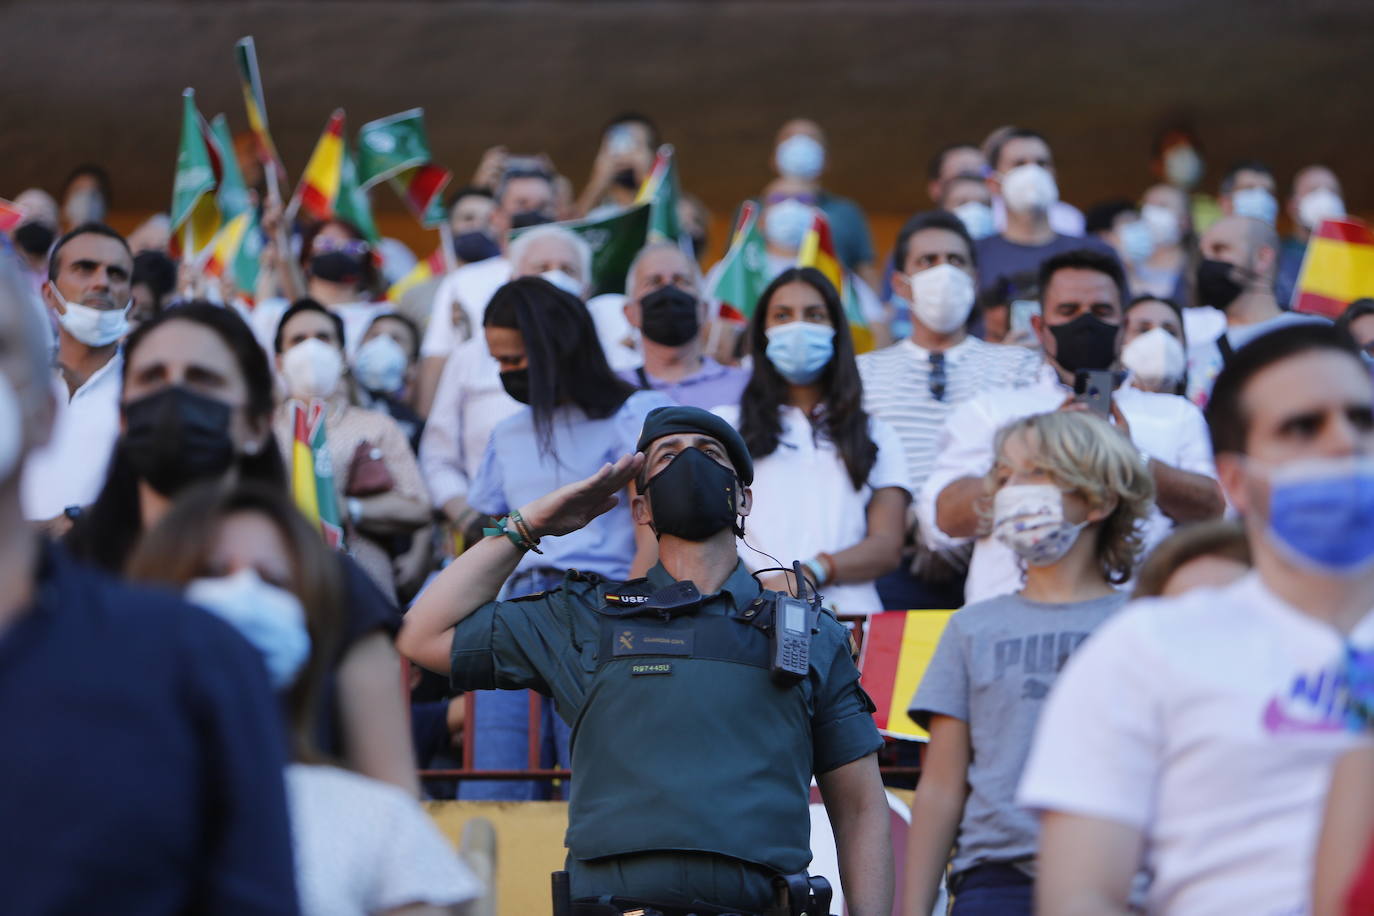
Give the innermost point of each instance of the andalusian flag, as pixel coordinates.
(232, 194)
(660, 190)
(353, 204)
(312, 472)
(614, 240)
(432, 266)
(1337, 268)
(395, 149)
(11, 215)
(898, 646)
(744, 274)
(818, 251)
(246, 54)
(319, 188)
(194, 214)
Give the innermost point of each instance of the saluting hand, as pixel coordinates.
(571, 507)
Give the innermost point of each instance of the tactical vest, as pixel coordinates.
(685, 742)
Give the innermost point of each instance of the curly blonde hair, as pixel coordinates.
(1085, 454)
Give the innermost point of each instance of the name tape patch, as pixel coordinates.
(653, 668)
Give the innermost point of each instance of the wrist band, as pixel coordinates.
(515, 529)
(817, 571)
(828, 562)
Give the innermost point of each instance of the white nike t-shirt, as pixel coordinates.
(1210, 722)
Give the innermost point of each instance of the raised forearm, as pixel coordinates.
(957, 508)
(1185, 496)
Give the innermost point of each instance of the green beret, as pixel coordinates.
(669, 421)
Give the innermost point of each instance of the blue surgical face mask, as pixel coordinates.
(800, 350)
(380, 366)
(1256, 203)
(1321, 514)
(270, 618)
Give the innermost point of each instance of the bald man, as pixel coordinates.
(800, 153)
(1236, 276)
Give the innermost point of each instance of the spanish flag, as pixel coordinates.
(246, 55)
(312, 472)
(319, 187)
(1337, 268)
(224, 248)
(432, 266)
(818, 251)
(897, 648)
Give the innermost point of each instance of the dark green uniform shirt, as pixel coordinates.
(681, 740)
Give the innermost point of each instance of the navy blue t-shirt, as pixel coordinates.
(1019, 265)
(141, 759)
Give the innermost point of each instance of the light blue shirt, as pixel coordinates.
(515, 472)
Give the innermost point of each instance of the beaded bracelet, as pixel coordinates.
(515, 528)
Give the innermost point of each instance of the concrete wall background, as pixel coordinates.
(890, 81)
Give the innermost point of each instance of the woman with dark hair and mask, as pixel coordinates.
(341, 273)
(830, 485)
(577, 417)
(245, 553)
(197, 406)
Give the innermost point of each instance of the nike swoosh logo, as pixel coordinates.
(1278, 721)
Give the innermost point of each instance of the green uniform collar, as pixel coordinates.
(742, 587)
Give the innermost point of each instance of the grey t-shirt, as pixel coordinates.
(1019, 264)
(993, 668)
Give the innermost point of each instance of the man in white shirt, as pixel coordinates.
(470, 399)
(89, 291)
(1080, 329)
(525, 197)
(1193, 736)
(1236, 275)
(913, 385)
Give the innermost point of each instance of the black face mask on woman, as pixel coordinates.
(175, 437)
(336, 267)
(517, 384)
(693, 497)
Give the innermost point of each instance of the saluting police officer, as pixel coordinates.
(693, 748)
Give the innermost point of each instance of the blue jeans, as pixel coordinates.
(501, 724)
(992, 890)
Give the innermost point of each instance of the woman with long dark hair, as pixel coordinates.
(197, 406)
(829, 480)
(577, 417)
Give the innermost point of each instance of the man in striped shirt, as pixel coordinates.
(913, 384)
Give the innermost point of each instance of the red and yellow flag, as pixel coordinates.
(432, 266)
(312, 473)
(818, 251)
(224, 248)
(246, 56)
(319, 187)
(1337, 268)
(897, 648)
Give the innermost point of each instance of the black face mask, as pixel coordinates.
(526, 218)
(35, 238)
(336, 267)
(668, 316)
(625, 178)
(517, 384)
(693, 497)
(472, 247)
(1087, 342)
(176, 437)
(1215, 285)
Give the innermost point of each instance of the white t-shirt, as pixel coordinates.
(70, 469)
(472, 287)
(805, 503)
(468, 403)
(1209, 722)
(1165, 427)
(619, 339)
(363, 846)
